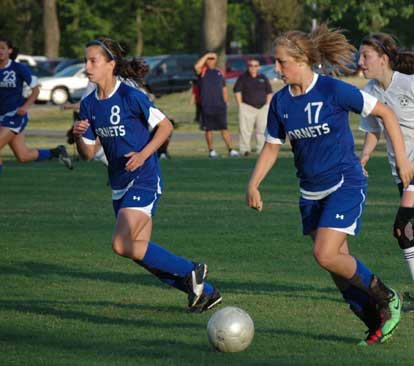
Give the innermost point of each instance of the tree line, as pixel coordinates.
(151, 27)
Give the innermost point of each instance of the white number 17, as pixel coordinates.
(308, 109)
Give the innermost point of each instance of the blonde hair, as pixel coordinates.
(322, 46)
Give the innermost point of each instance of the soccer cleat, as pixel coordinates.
(64, 157)
(212, 154)
(195, 283)
(206, 302)
(233, 153)
(390, 315)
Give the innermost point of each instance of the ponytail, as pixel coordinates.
(324, 45)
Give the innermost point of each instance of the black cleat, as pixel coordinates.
(206, 302)
(195, 283)
(64, 157)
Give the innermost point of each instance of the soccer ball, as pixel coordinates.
(230, 329)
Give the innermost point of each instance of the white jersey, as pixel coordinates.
(400, 97)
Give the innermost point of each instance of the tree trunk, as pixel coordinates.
(215, 28)
(140, 37)
(51, 28)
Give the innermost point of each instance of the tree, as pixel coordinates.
(51, 28)
(215, 27)
(362, 17)
(273, 18)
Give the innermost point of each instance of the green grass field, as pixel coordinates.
(66, 299)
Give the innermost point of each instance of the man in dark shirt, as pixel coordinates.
(253, 94)
(213, 101)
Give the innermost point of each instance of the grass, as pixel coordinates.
(66, 299)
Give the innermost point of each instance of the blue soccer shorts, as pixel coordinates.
(138, 199)
(15, 123)
(341, 211)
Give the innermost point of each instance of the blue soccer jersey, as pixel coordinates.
(317, 125)
(122, 122)
(12, 78)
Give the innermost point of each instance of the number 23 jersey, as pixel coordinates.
(317, 125)
(122, 123)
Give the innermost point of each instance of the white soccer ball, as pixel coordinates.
(230, 329)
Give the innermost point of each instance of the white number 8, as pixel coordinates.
(115, 117)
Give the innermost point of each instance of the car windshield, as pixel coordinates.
(70, 70)
(153, 61)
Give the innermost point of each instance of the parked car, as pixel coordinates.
(30, 60)
(67, 62)
(269, 72)
(170, 73)
(237, 64)
(66, 85)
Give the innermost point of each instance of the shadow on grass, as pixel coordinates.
(45, 270)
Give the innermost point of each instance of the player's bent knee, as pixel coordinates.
(322, 258)
(404, 227)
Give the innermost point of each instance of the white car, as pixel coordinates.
(67, 84)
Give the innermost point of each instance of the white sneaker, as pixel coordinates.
(233, 153)
(212, 154)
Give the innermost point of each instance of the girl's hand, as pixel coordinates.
(364, 160)
(254, 199)
(80, 127)
(135, 161)
(21, 111)
(405, 171)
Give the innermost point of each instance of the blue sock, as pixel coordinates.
(362, 277)
(208, 289)
(356, 298)
(1, 168)
(161, 259)
(44, 154)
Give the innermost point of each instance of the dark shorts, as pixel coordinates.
(341, 211)
(15, 123)
(138, 199)
(213, 120)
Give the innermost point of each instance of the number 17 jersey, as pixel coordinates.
(317, 125)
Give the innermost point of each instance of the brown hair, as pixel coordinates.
(9, 44)
(386, 44)
(321, 46)
(133, 69)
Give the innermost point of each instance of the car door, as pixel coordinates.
(182, 79)
(158, 80)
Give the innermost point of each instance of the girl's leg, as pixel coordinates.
(25, 155)
(131, 239)
(327, 251)
(403, 229)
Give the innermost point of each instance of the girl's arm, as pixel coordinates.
(264, 163)
(404, 168)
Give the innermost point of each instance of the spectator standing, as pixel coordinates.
(213, 101)
(253, 93)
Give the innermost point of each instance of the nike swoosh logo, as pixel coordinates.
(396, 307)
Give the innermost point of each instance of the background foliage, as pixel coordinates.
(171, 26)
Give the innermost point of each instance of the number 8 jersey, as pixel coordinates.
(317, 125)
(122, 122)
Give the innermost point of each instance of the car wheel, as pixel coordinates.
(59, 96)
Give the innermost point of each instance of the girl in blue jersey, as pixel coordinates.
(122, 116)
(312, 111)
(14, 107)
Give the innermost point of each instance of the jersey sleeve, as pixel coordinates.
(350, 98)
(89, 137)
(141, 104)
(275, 132)
(27, 76)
